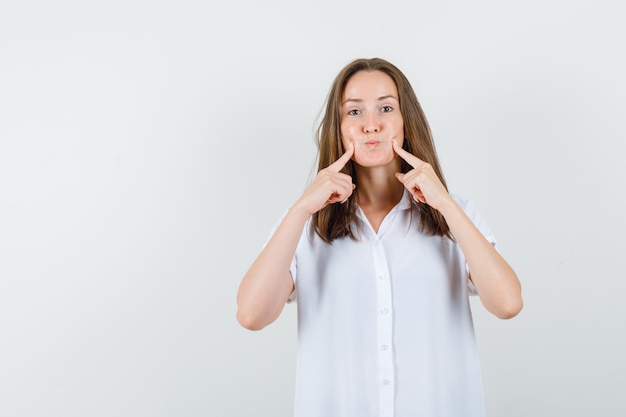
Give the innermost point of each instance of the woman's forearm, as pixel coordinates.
(267, 284)
(496, 283)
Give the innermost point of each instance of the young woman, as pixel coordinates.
(380, 259)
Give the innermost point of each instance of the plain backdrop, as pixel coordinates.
(147, 148)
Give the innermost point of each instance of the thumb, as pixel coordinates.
(400, 177)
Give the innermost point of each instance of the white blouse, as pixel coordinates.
(384, 323)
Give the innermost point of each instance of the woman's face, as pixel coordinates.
(371, 118)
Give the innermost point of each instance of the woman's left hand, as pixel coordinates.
(422, 181)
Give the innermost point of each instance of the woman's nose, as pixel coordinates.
(371, 125)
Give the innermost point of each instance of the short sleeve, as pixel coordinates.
(470, 209)
(292, 267)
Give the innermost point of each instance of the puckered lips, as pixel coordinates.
(371, 142)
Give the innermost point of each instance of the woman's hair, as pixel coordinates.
(335, 220)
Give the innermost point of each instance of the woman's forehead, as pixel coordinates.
(368, 86)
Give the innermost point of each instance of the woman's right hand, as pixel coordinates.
(267, 285)
(329, 186)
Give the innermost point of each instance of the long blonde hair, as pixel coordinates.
(335, 220)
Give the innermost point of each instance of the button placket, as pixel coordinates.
(385, 329)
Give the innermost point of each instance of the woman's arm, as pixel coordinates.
(266, 286)
(495, 281)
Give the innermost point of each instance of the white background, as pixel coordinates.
(147, 147)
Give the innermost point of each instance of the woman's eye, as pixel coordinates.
(387, 109)
(353, 112)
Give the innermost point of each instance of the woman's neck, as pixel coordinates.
(378, 187)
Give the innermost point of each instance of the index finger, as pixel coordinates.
(412, 160)
(343, 160)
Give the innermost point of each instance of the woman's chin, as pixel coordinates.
(372, 159)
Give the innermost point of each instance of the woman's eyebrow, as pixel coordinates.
(359, 100)
(387, 97)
